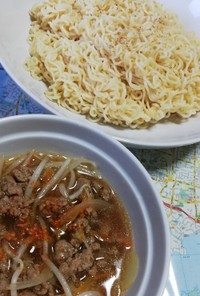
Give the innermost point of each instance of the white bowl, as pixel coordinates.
(122, 170)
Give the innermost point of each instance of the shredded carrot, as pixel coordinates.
(47, 175)
(76, 226)
(76, 210)
(70, 215)
(36, 185)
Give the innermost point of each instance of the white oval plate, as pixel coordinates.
(14, 27)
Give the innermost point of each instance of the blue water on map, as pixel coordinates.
(187, 266)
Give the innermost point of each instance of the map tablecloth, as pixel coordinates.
(176, 174)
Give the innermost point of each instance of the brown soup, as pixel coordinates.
(63, 229)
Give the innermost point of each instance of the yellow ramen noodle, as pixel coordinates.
(123, 62)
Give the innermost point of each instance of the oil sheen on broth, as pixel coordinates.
(63, 229)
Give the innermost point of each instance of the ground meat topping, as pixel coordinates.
(102, 190)
(22, 174)
(10, 187)
(51, 206)
(63, 251)
(81, 262)
(44, 289)
(15, 206)
(12, 201)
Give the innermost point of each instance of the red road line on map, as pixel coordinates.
(170, 206)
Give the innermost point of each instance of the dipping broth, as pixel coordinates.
(63, 229)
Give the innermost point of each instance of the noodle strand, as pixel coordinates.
(122, 62)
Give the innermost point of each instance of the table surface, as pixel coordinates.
(176, 174)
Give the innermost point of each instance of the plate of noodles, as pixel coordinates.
(131, 68)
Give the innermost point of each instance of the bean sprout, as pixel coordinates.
(16, 275)
(35, 177)
(58, 275)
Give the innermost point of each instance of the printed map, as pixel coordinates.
(176, 173)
